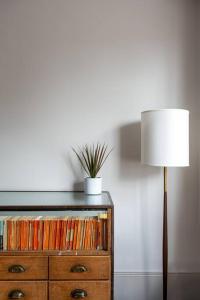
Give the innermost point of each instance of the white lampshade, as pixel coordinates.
(165, 137)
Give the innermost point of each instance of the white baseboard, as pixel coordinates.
(148, 286)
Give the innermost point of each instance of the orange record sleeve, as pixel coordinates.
(46, 234)
(71, 234)
(58, 232)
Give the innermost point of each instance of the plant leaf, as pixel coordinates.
(92, 158)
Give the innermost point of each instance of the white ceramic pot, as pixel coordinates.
(93, 186)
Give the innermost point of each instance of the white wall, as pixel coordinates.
(74, 72)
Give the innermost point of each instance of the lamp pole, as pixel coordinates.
(165, 238)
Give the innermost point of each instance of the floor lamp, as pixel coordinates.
(165, 143)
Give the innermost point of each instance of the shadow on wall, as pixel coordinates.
(130, 148)
(77, 172)
(130, 153)
(140, 177)
(78, 186)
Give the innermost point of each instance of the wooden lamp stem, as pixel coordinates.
(165, 238)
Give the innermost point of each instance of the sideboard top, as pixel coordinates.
(53, 200)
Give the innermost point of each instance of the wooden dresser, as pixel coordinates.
(57, 274)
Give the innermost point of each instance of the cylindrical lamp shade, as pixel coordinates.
(165, 137)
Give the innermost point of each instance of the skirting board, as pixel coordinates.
(148, 286)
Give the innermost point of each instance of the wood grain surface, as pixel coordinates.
(36, 267)
(32, 290)
(96, 290)
(98, 267)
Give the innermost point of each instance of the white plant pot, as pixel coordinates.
(93, 186)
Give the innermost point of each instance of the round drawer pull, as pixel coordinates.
(78, 294)
(16, 269)
(78, 269)
(16, 294)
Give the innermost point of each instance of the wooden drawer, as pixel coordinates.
(63, 290)
(79, 267)
(23, 267)
(30, 290)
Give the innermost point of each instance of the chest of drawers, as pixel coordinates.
(57, 274)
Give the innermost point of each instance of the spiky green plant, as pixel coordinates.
(92, 158)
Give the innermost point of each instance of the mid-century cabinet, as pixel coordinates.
(57, 274)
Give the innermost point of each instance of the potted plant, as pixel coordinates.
(91, 159)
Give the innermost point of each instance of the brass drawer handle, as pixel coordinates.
(78, 294)
(16, 269)
(78, 269)
(16, 294)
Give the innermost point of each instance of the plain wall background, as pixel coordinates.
(75, 72)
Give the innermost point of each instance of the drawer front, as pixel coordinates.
(23, 267)
(89, 290)
(23, 290)
(79, 267)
